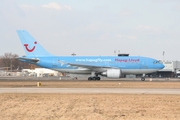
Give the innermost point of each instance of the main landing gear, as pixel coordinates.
(94, 78)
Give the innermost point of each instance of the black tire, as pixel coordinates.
(143, 79)
(94, 78)
(89, 78)
(98, 78)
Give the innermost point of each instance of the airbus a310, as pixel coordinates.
(95, 66)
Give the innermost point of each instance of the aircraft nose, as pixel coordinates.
(162, 66)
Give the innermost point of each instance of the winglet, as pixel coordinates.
(30, 45)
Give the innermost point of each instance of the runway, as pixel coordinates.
(92, 90)
(15, 78)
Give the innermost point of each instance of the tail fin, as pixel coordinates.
(30, 45)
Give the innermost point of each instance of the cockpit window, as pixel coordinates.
(160, 62)
(157, 62)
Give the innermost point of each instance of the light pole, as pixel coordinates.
(11, 65)
(163, 55)
(11, 59)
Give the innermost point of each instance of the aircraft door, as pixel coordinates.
(55, 62)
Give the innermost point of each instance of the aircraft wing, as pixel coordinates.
(96, 68)
(24, 59)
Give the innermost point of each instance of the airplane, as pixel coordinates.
(95, 66)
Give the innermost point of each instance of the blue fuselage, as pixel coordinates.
(128, 65)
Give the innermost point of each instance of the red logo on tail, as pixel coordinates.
(30, 50)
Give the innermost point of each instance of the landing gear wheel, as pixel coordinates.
(94, 78)
(98, 78)
(90, 78)
(143, 78)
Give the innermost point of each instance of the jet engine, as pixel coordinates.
(112, 73)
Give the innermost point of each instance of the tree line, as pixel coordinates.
(10, 62)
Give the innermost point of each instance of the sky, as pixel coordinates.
(94, 27)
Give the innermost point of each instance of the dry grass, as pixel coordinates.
(89, 107)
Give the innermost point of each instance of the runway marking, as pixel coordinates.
(91, 90)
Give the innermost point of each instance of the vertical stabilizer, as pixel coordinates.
(30, 45)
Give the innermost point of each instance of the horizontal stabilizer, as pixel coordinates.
(32, 60)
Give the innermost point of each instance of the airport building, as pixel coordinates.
(40, 72)
(171, 70)
(37, 72)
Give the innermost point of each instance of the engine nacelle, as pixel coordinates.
(112, 73)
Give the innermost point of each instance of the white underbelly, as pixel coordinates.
(138, 71)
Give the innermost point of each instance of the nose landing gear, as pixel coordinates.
(143, 78)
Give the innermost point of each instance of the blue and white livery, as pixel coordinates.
(109, 66)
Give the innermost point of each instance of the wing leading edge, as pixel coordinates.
(97, 68)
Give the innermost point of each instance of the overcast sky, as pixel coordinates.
(94, 27)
